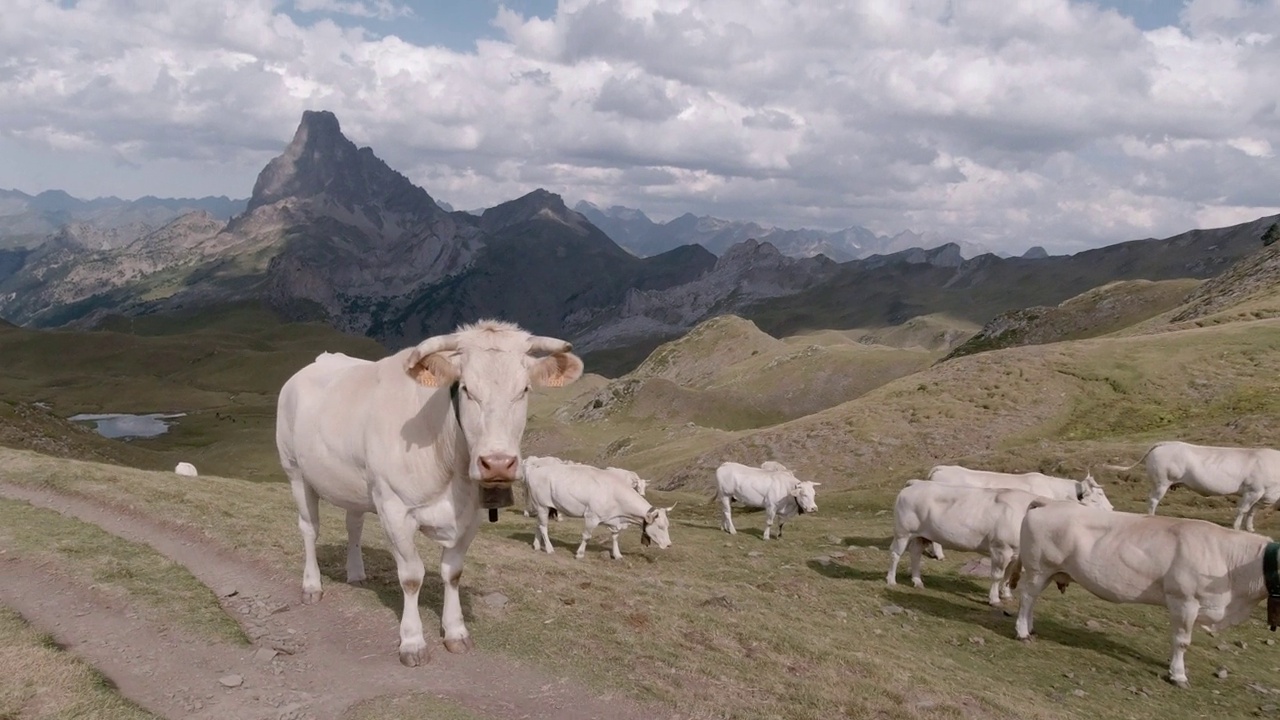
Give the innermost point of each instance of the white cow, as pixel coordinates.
(971, 519)
(1087, 491)
(599, 498)
(773, 465)
(1253, 473)
(777, 491)
(1203, 573)
(185, 469)
(413, 437)
(627, 476)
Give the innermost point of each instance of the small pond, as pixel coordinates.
(126, 425)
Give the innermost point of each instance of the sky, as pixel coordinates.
(1009, 123)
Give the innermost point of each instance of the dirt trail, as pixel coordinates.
(329, 656)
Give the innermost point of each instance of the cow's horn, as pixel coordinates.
(549, 345)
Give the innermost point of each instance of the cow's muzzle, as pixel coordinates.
(498, 469)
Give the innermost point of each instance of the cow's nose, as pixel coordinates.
(498, 467)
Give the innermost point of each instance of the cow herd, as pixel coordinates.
(413, 436)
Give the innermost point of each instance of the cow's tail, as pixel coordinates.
(1127, 468)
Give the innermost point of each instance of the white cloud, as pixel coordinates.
(1010, 122)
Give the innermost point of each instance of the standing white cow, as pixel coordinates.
(777, 491)
(971, 519)
(599, 498)
(185, 469)
(1086, 491)
(413, 437)
(1253, 473)
(1203, 573)
(629, 477)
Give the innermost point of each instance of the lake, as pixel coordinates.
(126, 425)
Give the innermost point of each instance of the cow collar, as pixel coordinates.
(453, 400)
(799, 507)
(1079, 491)
(1271, 574)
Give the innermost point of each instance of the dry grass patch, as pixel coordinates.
(40, 681)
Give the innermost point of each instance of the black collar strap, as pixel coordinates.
(1079, 491)
(799, 507)
(453, 400)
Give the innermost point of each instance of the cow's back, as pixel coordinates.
(750, 485)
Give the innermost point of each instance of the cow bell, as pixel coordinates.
(496, 497)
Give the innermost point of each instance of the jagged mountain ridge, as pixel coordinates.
(638, 233)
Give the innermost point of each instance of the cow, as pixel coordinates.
(414, 437)
(779, 492)
(631, 478)
(1087, 491)
(597, 496)
(986, 520)
(185, 469)
(1202, 572)
(773, 466)
(1253, 473)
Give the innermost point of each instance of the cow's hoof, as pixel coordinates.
(415, 656)
(1026, 639)
(356, 581)
(1179, 682)
(579, 556)
(917, 584)
(459, 646)
(311, 597)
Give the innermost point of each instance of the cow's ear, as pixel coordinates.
(555, 370)
(651, 516)
(436, 369)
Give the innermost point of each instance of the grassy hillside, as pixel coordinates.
(223, 369)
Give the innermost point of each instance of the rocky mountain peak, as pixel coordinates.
(320, 162)
(537, 205)
(749, 253)
(1035, 253)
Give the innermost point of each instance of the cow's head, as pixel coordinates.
(656, 527)
(1090, 493)
(489, 369)
(805, 495)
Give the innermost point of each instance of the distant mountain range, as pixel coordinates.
(331, 232)
(633, 230)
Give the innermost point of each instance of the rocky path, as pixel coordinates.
(306, 662)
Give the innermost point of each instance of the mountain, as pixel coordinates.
(101, 223)
(636, 232)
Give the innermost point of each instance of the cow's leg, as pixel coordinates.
(542, 514)
(896, 548)
(589, 524)
(1159, 486)
(780, 524)
(457, 639)
(1001, 556)
(616, 554)
(726, 516)
(1032, 582)
(935, 551)
(309, 523)
(917, 551)
(769, 515)
(1182, 614)
(401, 528)
(355, 560)
(1244, 511)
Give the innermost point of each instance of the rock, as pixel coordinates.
(1078, 692)
(494, 600)
(1269, 641)
(231, 681)
(976, 640)
(836, 554)
(832, 539)
(892, 610)
(228, 591)
(1243, 645)
(1223, 647)
(1221, 673)
(1093, 625)
(1069, 675)
(265, 654)
(720, 601)
(822, 560)
(755, 553)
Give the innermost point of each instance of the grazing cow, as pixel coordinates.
(986, 520)
(627, 476)
(185, 469)
(773, 465)
(413, 437)
(599, 498)
(1087, 491)
(1203, 573)
(1253, 473)
(777, 491)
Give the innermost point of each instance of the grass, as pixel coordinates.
(415, 705)
(722, 632)
(42, 682)
(162, 590)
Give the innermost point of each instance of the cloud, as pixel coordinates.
(1008, 122)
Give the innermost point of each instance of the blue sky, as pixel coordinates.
(1062, 123)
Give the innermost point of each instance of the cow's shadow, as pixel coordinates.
(880, 543)
(974, 610)
(599, 542)
(381, 578)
